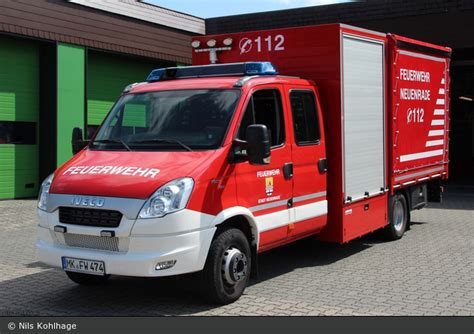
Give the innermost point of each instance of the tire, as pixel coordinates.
(86, 279)
(228, 266)
(397, 218)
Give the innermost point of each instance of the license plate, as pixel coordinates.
(83, 266)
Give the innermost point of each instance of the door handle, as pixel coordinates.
(288, 170)
(323, 165)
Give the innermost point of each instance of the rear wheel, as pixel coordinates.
(86, 279)
(398, 217)
(227, 269)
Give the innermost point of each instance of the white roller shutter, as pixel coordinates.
(363, 117)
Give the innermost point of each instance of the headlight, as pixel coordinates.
(44, 193)
(169, 198)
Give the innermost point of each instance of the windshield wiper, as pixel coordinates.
(163, 140)
(114, 141)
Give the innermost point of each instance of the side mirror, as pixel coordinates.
(258, 144)
(77, 140)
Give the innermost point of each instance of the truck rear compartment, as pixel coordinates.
(419, 105)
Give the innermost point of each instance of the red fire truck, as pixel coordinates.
(328, 131)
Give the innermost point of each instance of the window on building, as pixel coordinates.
(265, 107)
(305, 117)
(17, 132)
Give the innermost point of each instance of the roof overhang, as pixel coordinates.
(149, 13)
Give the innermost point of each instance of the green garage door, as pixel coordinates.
(107, 76)
(19, 114)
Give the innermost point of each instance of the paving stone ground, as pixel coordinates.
(430, 271)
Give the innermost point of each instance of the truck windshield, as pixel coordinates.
(168, 121)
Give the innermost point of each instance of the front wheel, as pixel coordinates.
(227, 269)
(398, 217)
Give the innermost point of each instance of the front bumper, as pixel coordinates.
(139, 244)
(189, 250)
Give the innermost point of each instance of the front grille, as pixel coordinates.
(92, 242)
(89, 217)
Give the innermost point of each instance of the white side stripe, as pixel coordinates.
(285, 201)
(268, 205)
(442, 81)
(430, 143)
(441, 91)
(311, 210)
(272, 220)
(413, 175)
(421, 155)
(440, 102)
(434, 133)
(308, 196)
(282, 218)
(437, 122)
(439, 112)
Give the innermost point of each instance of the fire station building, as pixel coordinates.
(63, 63)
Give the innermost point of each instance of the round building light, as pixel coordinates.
(227, 41)
(195, 44)
(211, 43)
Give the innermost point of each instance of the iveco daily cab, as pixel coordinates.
(328, 131)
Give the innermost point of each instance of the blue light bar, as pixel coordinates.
(215, 70)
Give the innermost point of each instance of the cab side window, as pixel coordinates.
(305, 117)
(265, 107)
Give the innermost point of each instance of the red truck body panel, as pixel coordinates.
(419, 111)
(316, 53)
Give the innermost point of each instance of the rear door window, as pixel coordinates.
(305, 117)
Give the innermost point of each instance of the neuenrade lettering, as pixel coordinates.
(112, 170)
(414, 93)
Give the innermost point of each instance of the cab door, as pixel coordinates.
(265, 190)
(309, 162)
